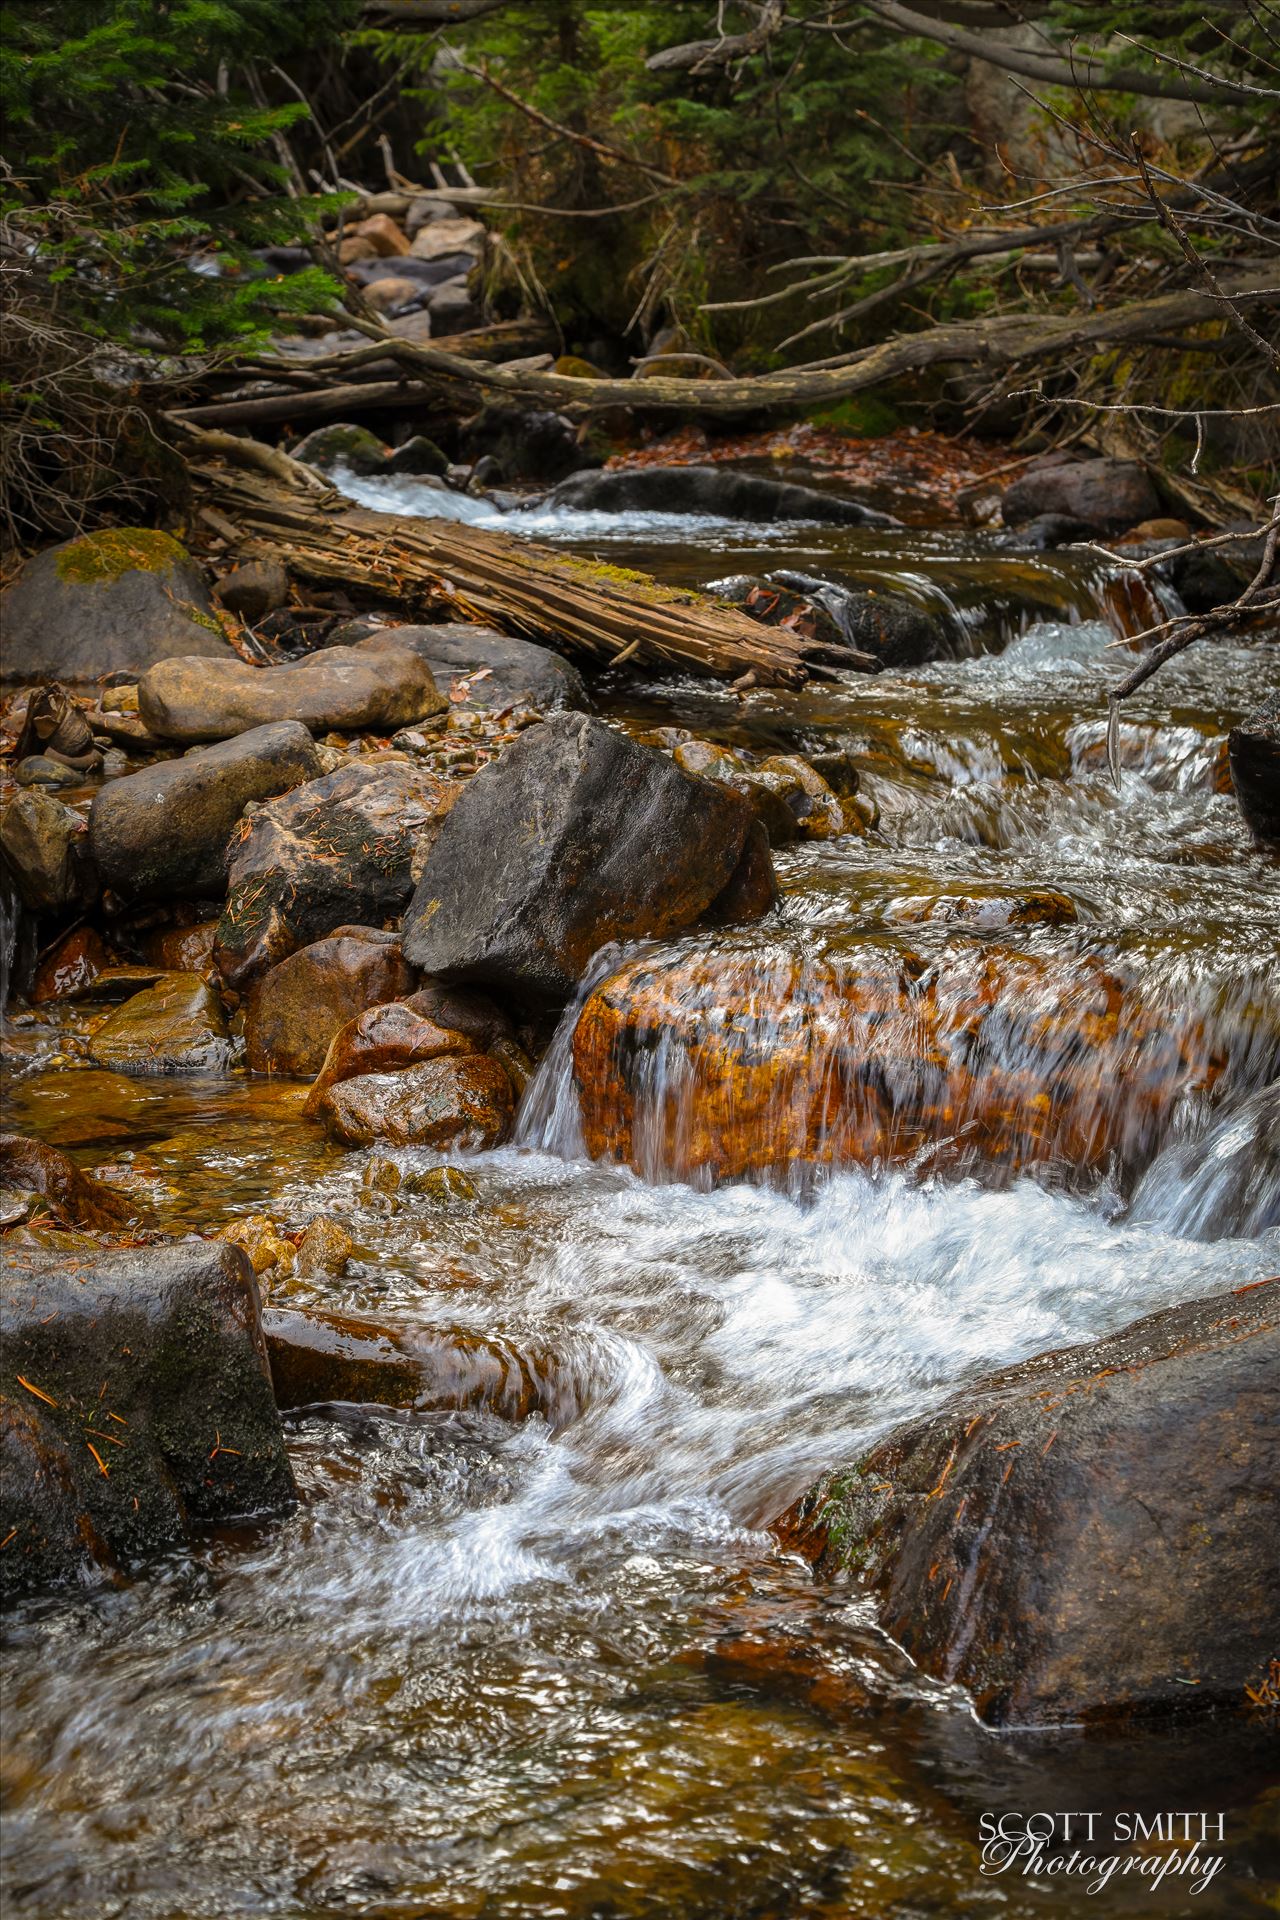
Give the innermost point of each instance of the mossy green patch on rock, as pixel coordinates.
(101, 558)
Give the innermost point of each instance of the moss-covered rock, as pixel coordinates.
(108, 602)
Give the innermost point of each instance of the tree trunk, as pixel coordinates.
(438, 567)
(1009, 342)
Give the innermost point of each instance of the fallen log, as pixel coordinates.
(439, 567)
(1001, 342)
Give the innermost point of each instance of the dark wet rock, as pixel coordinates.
(986, 913)
(177, 1026)
(463, 1010)
(164, 833)
(341, 445)
(527, 443)
(257, 588)
(1049, 530)
(383, 1039)
(75, 1198)
(573, 837)
(45, 848)
(37, 770)
(375, 687)
(154, 1417)
(481, 668)
(886, 627)
(116, 982)
(1254, 749)
(1090, 1535)
(419, 455)
(70, 968)
(1104, 495)
(751, 891)
(1207, 578)
(334, 853)
(317, 1358)
(458, 1100)
(113, 601)
(295, 1010)
(721, 491)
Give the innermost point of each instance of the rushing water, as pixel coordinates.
(560, 1668)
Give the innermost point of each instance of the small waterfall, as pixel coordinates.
(1224, 1184)
(704, 1063)
(10, 926)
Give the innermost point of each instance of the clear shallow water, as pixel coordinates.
(497, 1670)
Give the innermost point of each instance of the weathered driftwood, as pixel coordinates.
(433, 566)
(307, 395)
(998, 343)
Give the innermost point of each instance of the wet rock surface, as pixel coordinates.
(338, 851)
(1090, 1535)
(138, 1408)
(106, 602)
(74, 1198)
(710, 490)
(294, 1011)
(319, 1357)
(44, 846)
(381, 1040)
(356, 688)
(459, 1100)
(696, 1069)
(575, 837)
(163, 833)
(177, 1026)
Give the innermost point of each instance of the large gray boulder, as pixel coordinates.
(1102, 495)
(109, 602)
(574, 837)
(355, 689)
(336, 852)
(136, 1407)
(1089, 1536)
(721, 491)
(163, 833)
(479, 667)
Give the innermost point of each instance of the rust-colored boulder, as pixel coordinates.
(294, 1012)
(707, 1065)
(318, 1357)
(29, 1166)
(381, 1040)
(459, 1100)
(72, 966)
(181, 949)
(1090, 1535)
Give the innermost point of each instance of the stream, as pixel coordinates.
(560, 1668)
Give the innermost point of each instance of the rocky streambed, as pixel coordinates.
(624, 1299)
